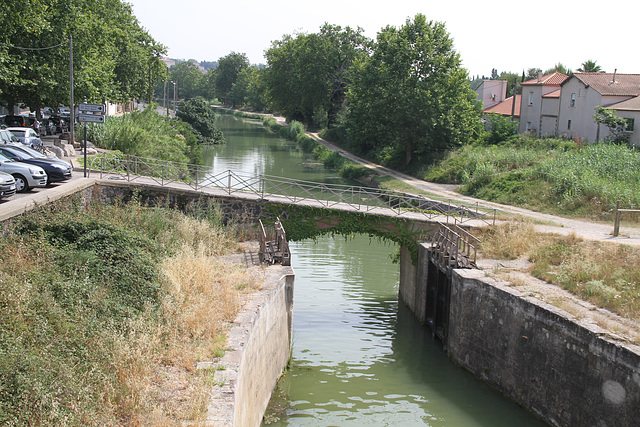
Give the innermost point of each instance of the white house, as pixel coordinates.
(539, 105)
(582, 92)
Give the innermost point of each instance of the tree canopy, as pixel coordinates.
(114, 58)
(308, 74)
(411, 96)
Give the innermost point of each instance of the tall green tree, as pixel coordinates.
(114, 58)
(308, 75)
(560, 68)
(411, 96)
(229, 67)
(189, 80)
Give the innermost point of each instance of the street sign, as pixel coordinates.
(91, 108)
(95, 118)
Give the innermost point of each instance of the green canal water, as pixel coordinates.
(359, 358)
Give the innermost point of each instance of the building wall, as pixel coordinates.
(549, 117)
(487, 88)
(530, 111)
(634, 137)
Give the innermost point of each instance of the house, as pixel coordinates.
(583, 92)
(491, 92)
(540, 104)
(506, 108)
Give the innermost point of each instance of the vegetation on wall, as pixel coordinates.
(304, 222)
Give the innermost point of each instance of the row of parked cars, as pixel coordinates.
(50, 125)
(23, 168)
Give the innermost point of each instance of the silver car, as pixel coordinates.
(26, 176)
(27, 136)
(7, 185)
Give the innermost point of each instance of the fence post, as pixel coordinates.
(229, 181)
(197, 170)
(616, 224)
(128, 163)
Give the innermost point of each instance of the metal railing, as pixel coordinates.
(274, 247)
(454, 247)
(281, 189)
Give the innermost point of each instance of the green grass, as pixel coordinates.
(548, 175)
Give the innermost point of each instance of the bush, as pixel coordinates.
(200, 117)
(147, 134)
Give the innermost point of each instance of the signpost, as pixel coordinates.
(93, 113)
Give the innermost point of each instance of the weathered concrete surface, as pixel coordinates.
(258, 350)
(568, 374)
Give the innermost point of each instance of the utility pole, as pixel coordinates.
(72, 113)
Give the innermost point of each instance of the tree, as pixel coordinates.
(308, 74)
(229, 67)
(411, 96)
(590, 66)
(114, 57)
(559, 68)
(532, 73)
(513, 80)
(189, 80)
(197, 113)
(616, 124)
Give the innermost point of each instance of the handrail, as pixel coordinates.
(359, 198)
(454, 247)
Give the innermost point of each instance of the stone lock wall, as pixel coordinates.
(567, 373)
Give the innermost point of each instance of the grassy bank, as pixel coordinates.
(548, 175)
(105, 312)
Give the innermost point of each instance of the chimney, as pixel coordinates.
(614, 75)
(539, 76)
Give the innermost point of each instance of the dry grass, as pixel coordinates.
(607, 275)
(161, 386)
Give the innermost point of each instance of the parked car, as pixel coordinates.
(26, 136)
(59, 124)
(46, 127)
(7, 185)
(12, 120)
(26, 176)
(6, 137)
(57, 170)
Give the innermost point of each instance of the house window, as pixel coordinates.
(530, 98)
(528, 128)
(629, 125)
(573, 100)
(569, 125)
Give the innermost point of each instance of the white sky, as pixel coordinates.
(508, 35)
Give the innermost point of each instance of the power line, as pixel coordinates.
(33, 48)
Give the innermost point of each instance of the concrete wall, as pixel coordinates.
(565, 372)
(259, 347)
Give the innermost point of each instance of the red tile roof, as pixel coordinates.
(554, 94)
(625, 84)
(505, 107)
(554, 78)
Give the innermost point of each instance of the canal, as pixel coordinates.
(359, 357)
